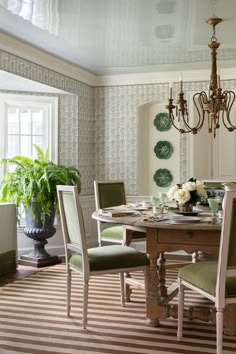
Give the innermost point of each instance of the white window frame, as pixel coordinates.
(50, 107)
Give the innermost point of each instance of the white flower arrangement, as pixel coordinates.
(191, 191)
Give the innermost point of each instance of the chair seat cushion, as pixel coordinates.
(111, 257)
(203, 276)
(116, 233)
(113, 232)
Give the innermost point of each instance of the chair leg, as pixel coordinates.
(122, 289)
(145, 272)
(68, 292)
(180, 311)
(219, 330)
(85, 303)
(99, 241)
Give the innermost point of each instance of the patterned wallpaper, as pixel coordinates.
(76, 128)
(116, 114)
(98, 126)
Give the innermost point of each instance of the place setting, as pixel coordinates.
(140, 206)
(181, 204)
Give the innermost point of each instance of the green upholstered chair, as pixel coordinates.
(94, 261)
(214, 280)
(110, 194)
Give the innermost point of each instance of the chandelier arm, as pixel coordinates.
(183, 109)
(181, 130)
(194, 129)
(183, 113)
(228, 126)
(199, 99)
(229, 98)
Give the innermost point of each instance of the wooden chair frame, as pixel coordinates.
(75, 241)
(223, 271)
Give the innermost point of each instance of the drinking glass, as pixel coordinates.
(163, 200)
(214, 206)
(155, 201)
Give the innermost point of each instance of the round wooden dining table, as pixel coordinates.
(199, 236)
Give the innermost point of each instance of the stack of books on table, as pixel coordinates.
(119, 212)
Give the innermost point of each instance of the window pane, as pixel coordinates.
(38, 140)
(25, 121)
(37, 121)
(13, 121)
(26, 143)
(13, 145)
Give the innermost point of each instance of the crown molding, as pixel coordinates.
(23, 50)
(162, 77)
(28, 52)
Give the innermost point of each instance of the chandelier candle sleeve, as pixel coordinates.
(180, 83)
(171, 88)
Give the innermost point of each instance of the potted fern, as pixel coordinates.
(32, 186)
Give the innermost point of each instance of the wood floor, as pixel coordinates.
(25, 271)
(21, 272)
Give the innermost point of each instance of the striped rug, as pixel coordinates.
(33, 320)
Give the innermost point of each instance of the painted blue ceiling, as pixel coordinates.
(123, 36)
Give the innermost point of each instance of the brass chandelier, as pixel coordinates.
(214, 105)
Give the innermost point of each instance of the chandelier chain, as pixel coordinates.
(213, 38)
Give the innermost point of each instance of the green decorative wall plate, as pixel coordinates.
(163, 149)
(163, 177)
(162, 122)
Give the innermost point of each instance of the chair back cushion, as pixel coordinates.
(109, 193)
(72, 223)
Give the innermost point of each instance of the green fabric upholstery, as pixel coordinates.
(232, 244)
(111, 257)
(115, 233)
(203, 276)
(215, 185)
(111, 194)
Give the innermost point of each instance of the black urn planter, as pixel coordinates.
(39, 232)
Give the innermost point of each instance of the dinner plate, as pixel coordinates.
(188, 213)
(139, 206)
(185, 219)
